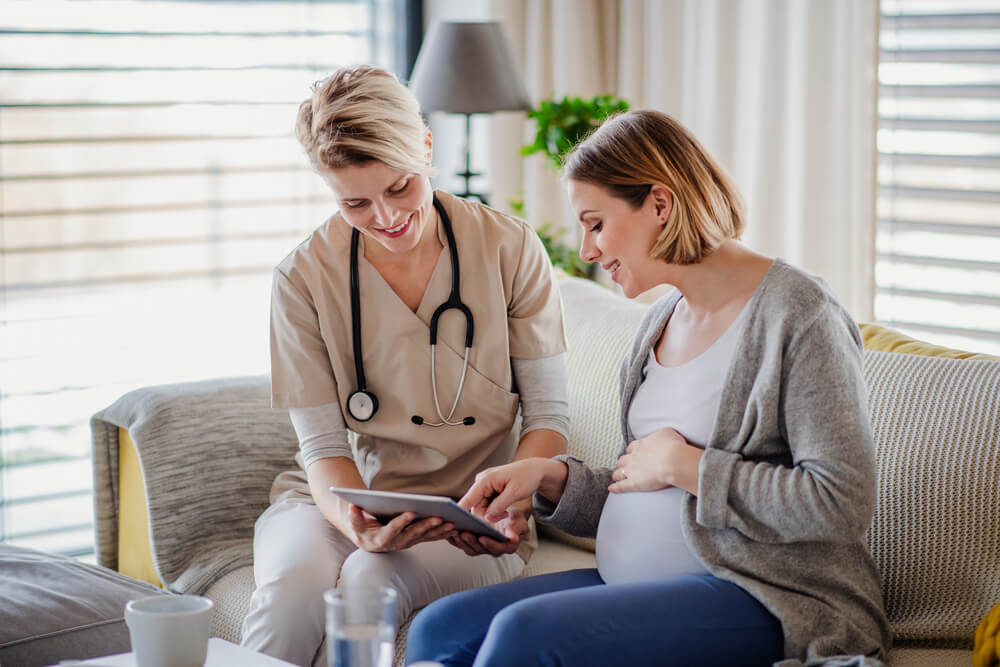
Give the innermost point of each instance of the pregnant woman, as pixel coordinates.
(731, 530)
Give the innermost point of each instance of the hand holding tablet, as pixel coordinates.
(387, 504)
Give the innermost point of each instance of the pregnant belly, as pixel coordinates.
(639, 537)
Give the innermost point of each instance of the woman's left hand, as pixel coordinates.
(663, 458)
(515, 526)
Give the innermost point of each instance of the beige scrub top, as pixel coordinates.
(506, 282)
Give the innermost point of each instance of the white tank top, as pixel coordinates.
(639, 536)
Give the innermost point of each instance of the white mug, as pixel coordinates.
(170, 630)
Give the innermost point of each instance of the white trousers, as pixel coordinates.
(298, 554)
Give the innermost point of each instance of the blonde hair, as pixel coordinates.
(631, 152)
(359, 114)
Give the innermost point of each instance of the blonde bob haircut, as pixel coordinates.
(632, 151)
(360, 114)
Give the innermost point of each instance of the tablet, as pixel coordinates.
(385, 505)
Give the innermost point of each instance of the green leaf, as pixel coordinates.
(561, 124)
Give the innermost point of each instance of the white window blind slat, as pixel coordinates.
(170, 123)
(971, 92)
(207, 16)
(38, 158)
(70, 230)
(969, 21)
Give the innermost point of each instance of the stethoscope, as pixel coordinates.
(363, 404)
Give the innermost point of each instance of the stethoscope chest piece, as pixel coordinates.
(362, 405)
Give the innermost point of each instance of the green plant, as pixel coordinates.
(561, 124)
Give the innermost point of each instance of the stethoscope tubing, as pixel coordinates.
(359, 367)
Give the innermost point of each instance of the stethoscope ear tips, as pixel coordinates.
(417, 420)
(469, 421)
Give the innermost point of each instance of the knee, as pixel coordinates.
(518, 635)
(516, 621)
(366, 569)
(434, 633)
(439, 618)
(363, 569)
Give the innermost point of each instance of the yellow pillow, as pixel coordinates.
(986, 650)
(135, 556)
(883, 339)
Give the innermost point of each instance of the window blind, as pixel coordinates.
(938, 238)
(149, 182)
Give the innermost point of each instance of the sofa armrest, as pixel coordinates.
(208, 452)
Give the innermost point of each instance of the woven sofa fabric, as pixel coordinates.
(600, 326)
(55, 608)
(935, 536)
(209, 452)
(231, 593)
(929, 657)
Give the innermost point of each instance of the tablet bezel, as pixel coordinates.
(393, 503)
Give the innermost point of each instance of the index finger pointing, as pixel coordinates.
(477, 495)
(497, 509)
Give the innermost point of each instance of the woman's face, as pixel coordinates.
(618, 236)
(392, 207)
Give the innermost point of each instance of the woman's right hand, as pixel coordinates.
(496, 489)
(371, 535)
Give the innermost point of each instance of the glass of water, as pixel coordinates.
(361, 626)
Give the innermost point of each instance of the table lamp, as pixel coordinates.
(467, 68)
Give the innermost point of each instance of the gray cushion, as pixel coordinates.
(56, 608)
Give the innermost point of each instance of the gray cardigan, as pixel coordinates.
(787, 481)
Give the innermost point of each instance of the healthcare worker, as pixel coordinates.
(355, 309)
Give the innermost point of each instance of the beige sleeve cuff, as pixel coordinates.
(535, 315)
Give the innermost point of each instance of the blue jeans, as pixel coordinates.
(574, 619)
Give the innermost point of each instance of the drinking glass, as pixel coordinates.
(361, 626)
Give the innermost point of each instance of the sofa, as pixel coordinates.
(182, 471)
(55, 608)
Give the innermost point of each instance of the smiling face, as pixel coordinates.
(394, 208)
(619, 236)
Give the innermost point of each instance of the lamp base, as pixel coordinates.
(468, 193)
(468, 173)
